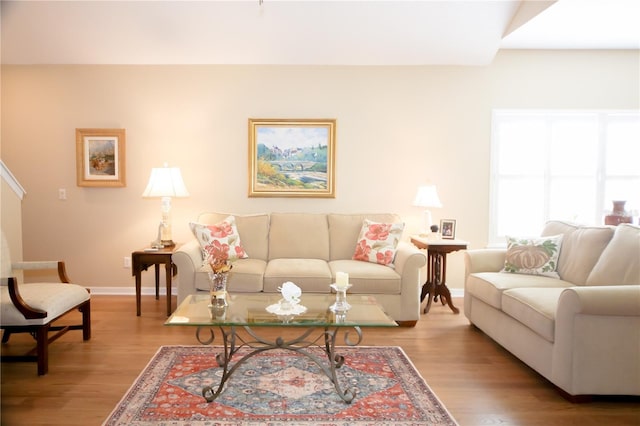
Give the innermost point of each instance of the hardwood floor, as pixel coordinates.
(478, 381)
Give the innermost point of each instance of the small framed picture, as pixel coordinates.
(448, 229)
(100, 157)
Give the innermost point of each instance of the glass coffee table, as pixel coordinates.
(311, 324)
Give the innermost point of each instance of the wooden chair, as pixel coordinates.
(34, 307)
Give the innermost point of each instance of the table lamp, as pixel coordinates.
(427, 196)
(165, 182)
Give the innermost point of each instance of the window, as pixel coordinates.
(565, 165)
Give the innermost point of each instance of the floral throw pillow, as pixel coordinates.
(378, 242)
(220, 241)
(533, 256)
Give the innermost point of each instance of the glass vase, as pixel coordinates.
(218, 288)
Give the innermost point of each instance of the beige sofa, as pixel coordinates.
(308, 249)
(580, 331)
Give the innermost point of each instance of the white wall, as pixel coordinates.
(396, 128)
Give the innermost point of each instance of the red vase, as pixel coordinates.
(618, 215)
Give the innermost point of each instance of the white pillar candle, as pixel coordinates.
(342, 279)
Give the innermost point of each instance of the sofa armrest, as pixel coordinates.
(617, 300)
(188, 260)
(408, 264)
(597, 344)
(484, 260)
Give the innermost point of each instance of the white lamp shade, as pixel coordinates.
(427, 196)
(165, 182)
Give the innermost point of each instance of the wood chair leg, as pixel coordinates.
(42, 338)
(5, 335)
(86, 320)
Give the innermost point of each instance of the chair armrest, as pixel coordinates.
(18, 301)
(44, 265)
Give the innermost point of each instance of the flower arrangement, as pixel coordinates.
(219, 264)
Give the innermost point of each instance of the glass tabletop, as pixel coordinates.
(264, 309)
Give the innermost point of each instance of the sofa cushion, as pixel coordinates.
(345, 228)
(299, 236)
(619, 263)
(581, 248)
(245, 277)
(368, 278)
(533, 256)
(488, 286)
(253, 229)
(533, 307)
(220, 240)
(378, 242)
(311, 275)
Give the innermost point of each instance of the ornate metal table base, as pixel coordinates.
(325, 339)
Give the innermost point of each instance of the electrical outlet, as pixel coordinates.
(126, 263)
(62, 194)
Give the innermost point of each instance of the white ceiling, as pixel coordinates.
(331, 32)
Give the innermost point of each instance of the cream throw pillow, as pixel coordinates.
(378, 242)
(533, 256)
(220, 240)
(619, 263)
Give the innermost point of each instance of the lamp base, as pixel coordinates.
(167, 243)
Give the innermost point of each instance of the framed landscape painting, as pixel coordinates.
(292, 158)
(100, 157)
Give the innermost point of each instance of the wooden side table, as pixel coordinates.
(142, 259)
(436, 286)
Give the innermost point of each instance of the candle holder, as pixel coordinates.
(341, 305)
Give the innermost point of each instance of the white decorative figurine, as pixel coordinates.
(291, 293)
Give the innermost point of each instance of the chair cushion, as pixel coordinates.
(54, 298)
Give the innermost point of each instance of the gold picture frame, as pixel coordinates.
(292, 158)
(100, 157)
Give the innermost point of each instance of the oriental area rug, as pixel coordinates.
(279, 387)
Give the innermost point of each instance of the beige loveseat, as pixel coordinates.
(580, 331)
(308, 249)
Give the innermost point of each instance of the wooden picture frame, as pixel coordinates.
(448, 229)
(100, 157)
(292, 158)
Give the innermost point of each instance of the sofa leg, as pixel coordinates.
(575, 399)
(407, 323)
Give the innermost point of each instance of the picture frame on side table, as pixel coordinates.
(100, 157)
(292, 158)
(448, 229)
